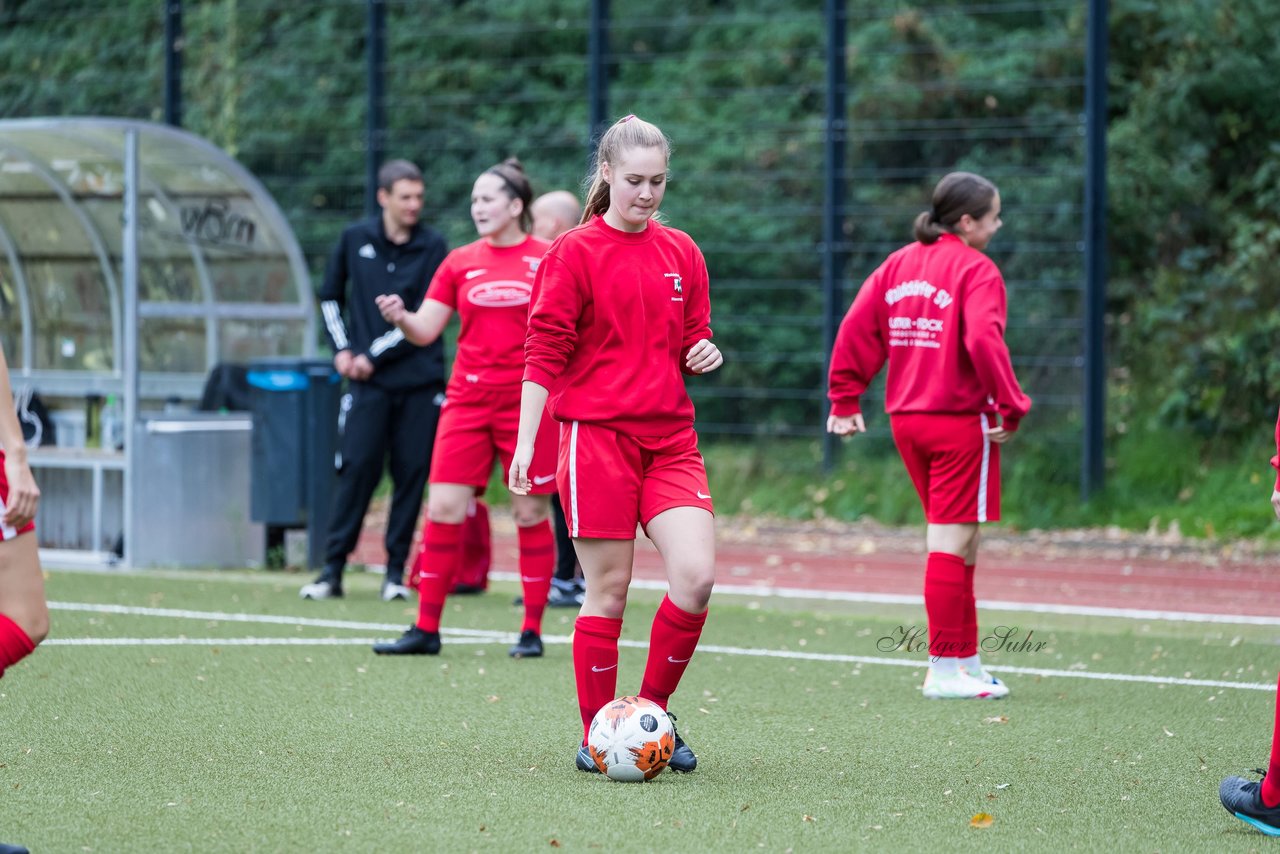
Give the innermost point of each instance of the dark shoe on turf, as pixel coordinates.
(529, 645)
(413, 642)
(566, 594)
(584, 762)
(682, 758)
(323, 587)
(1243, 799)
(15, 849)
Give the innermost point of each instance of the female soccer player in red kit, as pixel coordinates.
(488, 284)
(1258, 803)
(935, 311)
(24, 615)
(620, 310)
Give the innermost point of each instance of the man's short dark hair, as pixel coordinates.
(397, 170)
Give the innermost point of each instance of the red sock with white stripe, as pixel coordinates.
(945, 603)
(15, 645)
(672, 641)
(595, 664)
(441, 557)
(971, 664)
(1271, 782)
(537, 563)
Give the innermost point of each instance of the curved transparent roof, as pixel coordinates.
(220, 275)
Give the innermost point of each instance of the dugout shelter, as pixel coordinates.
(135, 260)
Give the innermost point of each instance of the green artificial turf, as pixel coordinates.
(810, 731)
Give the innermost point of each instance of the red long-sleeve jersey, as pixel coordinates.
(612, 319)
(936, 313)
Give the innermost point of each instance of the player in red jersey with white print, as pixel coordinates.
(1258, 803)
(620, 311)
(487, 283)
(935, 310)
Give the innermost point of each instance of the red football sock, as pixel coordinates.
(944, 602)
(441, 555)
(537, 563)
(1271, 782)
(14, 643)
(970, 635)
(595, 664)
(672, 641)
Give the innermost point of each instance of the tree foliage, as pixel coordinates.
(993, 87)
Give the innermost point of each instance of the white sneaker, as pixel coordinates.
(322, 589)
(984, 675)
(392, 591)
(962, 686)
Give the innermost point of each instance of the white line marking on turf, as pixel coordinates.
(480, 636)
(234, 641)
(765, 591)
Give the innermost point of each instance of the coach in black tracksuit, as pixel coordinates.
(394, 388)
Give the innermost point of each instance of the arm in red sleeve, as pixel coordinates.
(984, 320)
(859, 352)
(1275, 461)
(697, 309)
(554, 308)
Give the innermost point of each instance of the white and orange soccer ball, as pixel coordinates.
(631, 739)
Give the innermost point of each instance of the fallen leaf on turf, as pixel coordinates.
(807, 817)
(745, 807)
(1003, 786)
(1166, 732)
(999, 719)
(982, 819)
(555, 843)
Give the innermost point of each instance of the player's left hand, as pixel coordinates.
(1275, 502)
(704, 357)
(24, 495)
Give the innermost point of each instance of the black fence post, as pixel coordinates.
(173, 62)
(598, 69)
(1093, 467)
(833, 254)
(375, 133)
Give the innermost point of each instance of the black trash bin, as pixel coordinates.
(295, 437)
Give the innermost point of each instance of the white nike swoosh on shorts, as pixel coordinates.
(700, 494)
(539, 481)
(677, 660)
(595, 669)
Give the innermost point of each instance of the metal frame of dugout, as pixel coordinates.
(134, 258)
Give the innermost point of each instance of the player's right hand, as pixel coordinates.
(846, 425)
(392, 308)
(1275, 502)
(518, 475)
(342, 363)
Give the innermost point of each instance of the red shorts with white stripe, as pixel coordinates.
(479, 425)
(8, 532)
(609, 481)
(954, 466)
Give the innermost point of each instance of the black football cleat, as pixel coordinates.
(584, 762)
(529, 645)
(413, 642)
(682, 758)
(1243, 799)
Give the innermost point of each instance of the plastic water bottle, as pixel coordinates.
(112, 424)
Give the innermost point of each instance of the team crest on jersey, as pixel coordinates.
(533, 264)
(506, 294)
(367, 251)
(677, 286)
